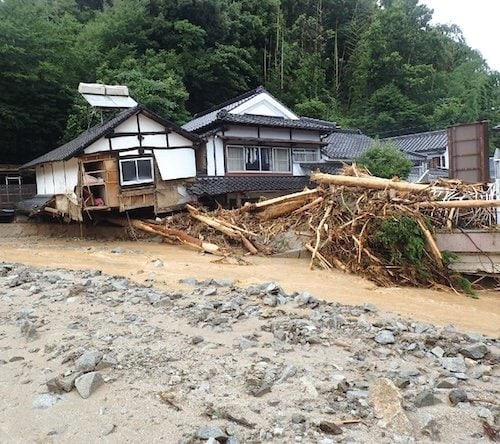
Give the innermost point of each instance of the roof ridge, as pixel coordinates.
(242, 96)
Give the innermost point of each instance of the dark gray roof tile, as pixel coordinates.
(214, 186)
(347, 144)
(420, 142)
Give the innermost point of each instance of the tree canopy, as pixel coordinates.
(381, 66)
(385, 161)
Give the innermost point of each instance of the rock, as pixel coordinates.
(28, 329)
(298, 418)
(457, 395)
(207, 432)
(438, 352)
(158, 263)
(447, 383)
(370, 307)
(189, 281)
(309, 387)
(385, 337)
(108, 360)
(432, 429)
(196, 340)
(88, 361)
(330, 428)
(425, 399)
(453, 364)
(339, 382)
(88, 383)
(474, 351)
(289, 371)
(117, 250)
(387, 404)
(44, 401)
(108, 429)
(210, 291)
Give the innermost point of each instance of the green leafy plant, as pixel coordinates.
(385, 161)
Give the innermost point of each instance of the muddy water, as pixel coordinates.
(137, 261)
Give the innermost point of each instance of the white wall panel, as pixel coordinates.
(176, 163)
(148, 124)
(129, 126)
(175, 139)
(241, 131)
(219, 157)
(211, 156)
(159, 141)
(305, 135)
(275, 133)
(99, 145)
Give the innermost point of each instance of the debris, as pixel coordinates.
(330, 428)
(169, 399)
(88, 383)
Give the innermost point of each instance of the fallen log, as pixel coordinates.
(308, 206)
(215, 223)
(276, 200)
(178, 235)
(479, 203)
(376, 183)
(280, 209)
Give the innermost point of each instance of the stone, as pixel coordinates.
(28, 329)
(189, 281)
(158, 263)
(447, 383)
(196, 340)
(438, 352)
(330, 427)
(385, 337)
(44, 401)
(474, 351)
(210, 291)
(88, 361)
(387, 404)
(370, 307)
(339, 382)
(453, 364)
(457, 395)
(108, 360)
(431, 428)
(298, 418)
(88, 384)
(108, 429)
(289, 371)
(117, 250)
(426, 399)
(207, 432)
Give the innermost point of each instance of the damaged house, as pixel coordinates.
(134, 160)
(254, 146)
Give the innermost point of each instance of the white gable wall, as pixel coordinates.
(264, 104)
(176, 163)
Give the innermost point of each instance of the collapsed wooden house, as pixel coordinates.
(135, 160)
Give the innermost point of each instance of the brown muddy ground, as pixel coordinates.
(136, 260)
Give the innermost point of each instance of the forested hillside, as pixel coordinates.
(380, 66)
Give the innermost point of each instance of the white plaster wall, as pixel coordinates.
(219, 157)
(266, 105)
(275, 133)
(210, 155)
(305, 135)
(177, 140)
(158, 140)
(122, 143)
(177, 163)
(129, 126)
(57, 177)
(241, 131)
(99, 145)
(148, 124)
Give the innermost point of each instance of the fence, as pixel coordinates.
(13, 193)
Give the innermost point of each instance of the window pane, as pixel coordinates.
(281, 160)
(235, 159)
(305, 155)
(265, 159)
(252, 158)
(144, 169)
(128, 170)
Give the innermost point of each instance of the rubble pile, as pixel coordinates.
(378, 228)
(219, 363)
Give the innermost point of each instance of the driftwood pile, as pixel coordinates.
(339, 223)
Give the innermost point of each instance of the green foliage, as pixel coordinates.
(385, 161)
(403, 239)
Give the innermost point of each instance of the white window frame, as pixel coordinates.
(303, 155)
(273, 163)
(137, 181)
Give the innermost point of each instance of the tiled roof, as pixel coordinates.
(420, 142)
(346, 144)
(77, 145)
(324, 167)
(209, 116)
(253, 119)
(214, 186)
